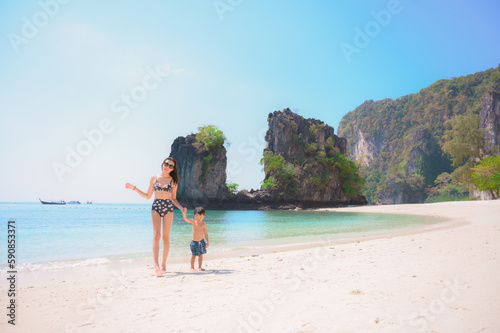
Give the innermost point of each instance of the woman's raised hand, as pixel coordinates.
(129, 186)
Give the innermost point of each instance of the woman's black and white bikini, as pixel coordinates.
(163, 206)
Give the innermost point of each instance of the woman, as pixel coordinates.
(164, 186)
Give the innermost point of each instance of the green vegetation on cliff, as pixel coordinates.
(464, 141)
(316, 166)
(209, 141)
(447, 188)
(282, 176)
(399, 143)
(209, 138)
(232, 189)
(487, 175)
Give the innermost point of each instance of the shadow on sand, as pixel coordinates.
(206, 272)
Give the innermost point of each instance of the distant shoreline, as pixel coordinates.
(290, 204)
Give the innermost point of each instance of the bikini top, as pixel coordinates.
(167, 188)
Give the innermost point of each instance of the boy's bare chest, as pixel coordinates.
(198, 227)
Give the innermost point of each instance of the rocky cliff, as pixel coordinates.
(288, 133)
(309, 169)
(490, 119)
(398, 142)
(202, 174)
(304, 165)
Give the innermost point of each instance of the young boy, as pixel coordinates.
(198, 245)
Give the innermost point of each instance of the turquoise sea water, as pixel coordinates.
(89, 233)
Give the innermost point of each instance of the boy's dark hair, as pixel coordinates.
(199, 210)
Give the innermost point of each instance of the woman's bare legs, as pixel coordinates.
(156, 222)
(167, 225)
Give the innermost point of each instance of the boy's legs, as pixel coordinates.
(200, 261)
(193, 257)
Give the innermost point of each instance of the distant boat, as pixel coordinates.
(74, 202)
(61, 202)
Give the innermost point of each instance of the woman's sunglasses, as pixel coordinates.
(167, 165)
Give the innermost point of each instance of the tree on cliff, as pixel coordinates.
(466, 145)
(487, 175)
(209, 140)
(448, 188)
(465, 140)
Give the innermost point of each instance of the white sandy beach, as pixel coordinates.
(444, 279)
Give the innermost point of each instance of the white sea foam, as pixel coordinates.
(54, 265)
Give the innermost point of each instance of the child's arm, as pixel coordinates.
(184, 211)
(206, 233)
(174, 197)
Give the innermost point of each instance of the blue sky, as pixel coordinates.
(117, 81)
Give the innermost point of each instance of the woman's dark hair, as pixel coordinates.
(199, 210)
(174, 174)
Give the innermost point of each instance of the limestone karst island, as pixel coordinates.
(436, 145)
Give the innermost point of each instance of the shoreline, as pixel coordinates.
(441, 279)
(178, 262)
(260, 247)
